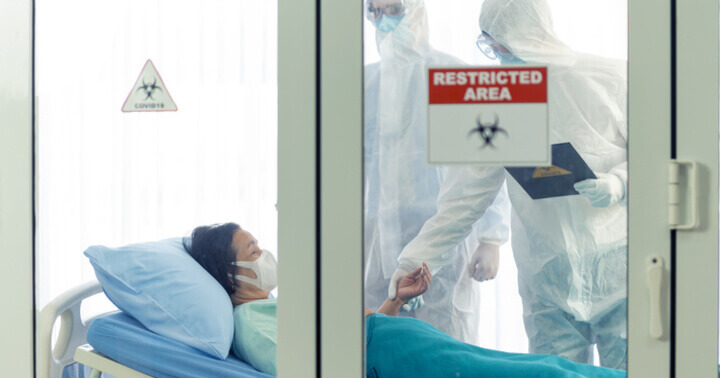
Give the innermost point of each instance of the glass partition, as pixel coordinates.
(544, 274)
(155, 118)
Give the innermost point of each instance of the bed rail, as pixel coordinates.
(51, 359)
(99, 363)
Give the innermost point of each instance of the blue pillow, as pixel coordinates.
(165, 289)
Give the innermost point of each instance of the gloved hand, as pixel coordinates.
(409, 285)
(396, 277)
(485, 262)
(604, 191)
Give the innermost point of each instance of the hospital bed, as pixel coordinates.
(118, 345)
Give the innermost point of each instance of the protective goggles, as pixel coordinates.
(376, 8)
(492, 48)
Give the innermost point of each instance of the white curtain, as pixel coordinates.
(113, 178)
(590, 26)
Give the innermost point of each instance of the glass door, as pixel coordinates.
(506, 254)
(514, 269)
(157, 161)
(111, 174)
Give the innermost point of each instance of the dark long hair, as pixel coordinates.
(211, 246)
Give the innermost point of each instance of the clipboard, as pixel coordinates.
(567, 168)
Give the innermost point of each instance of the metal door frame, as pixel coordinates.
(649, 99)
(297, 200)
(695, 128)
(16, 188)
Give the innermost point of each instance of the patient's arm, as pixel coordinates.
(391, 308)
(413, 284)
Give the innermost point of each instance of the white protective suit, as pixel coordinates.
(401, 190)
(571, 256)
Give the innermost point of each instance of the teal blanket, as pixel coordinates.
(407, 347)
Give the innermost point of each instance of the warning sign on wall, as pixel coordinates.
(488, 116)
(149, 93)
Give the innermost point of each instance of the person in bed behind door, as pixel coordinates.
(396, 346)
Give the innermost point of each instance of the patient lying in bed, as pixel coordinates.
(396, 346)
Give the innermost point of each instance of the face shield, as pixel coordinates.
(377, 8)
(525, 29)
(493, 49)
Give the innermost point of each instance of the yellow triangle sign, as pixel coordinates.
(551, 171)
(149, 93)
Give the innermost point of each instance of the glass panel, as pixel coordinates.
(110, 177)
(509, 272)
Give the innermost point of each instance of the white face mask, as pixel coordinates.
(265, 268)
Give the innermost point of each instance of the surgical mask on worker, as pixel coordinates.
(386, 23)
(510, 59)
(265, 268)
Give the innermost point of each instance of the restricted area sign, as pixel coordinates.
(488, 116)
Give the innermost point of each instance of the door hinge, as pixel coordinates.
(689, 198)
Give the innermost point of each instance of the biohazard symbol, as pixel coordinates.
(148, 89)
(487, 131)
(551, 171)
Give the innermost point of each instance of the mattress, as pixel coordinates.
(123, 339)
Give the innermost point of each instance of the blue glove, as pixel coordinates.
(413, 304)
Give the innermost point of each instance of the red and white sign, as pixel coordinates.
(488, 115)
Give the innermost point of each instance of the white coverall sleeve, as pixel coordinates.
(465, 195)
(617, 110)
(494, 226)
(620, 171)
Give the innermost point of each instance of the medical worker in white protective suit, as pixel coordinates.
(571, 251)
(401, 189)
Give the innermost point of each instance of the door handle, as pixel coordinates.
(674, 195)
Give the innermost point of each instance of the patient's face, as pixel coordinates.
(247, 250)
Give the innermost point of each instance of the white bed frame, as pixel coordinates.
(71, 345)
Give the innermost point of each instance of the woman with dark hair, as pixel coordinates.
(396, 346)
(231, 254)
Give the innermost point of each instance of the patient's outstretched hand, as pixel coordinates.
(414, 283)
